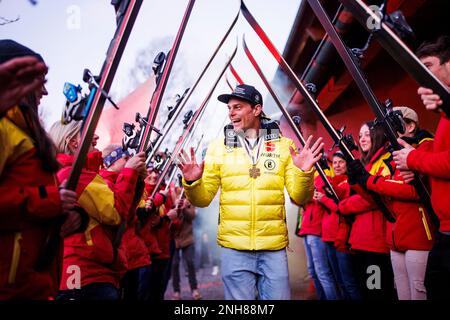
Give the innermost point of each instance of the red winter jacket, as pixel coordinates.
(107, 204)
(330, 220)
(145, 229)
(132, 245)
(29, 205)
(163, 230)
(412, 229)
(368, 232)
(436, 165)
(344, 227)
(313, 213)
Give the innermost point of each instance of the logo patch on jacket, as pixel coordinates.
(270, 146)
(270, 164)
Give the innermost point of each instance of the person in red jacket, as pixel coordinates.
(435, 164)
(137, 258)
(316, 254)
(341, 262)
(92, 265)
(32, 200)
(368, 232)
(411, 236)
(155, 222)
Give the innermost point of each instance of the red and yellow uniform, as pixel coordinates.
(132, 244)
(368, 232)
(412, 229)
(29, 204)
(107, 204)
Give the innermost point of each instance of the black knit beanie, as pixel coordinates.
(10, 49)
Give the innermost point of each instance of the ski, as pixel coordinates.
(116, 48)
(228, 83)
(389, 120)
(189, 127)
(398, 50)
(344, 142)
(192, 89)
(126, 13)
(236, 75)
(290, 120)
(161, 86)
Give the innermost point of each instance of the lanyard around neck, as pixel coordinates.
(251, 151)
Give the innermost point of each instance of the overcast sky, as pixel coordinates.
(72, 35)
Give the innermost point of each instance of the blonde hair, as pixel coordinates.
(61, 134)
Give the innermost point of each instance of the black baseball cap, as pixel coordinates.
(245, 92)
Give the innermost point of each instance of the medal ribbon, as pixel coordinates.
(250, 151)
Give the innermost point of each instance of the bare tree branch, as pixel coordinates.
(4, 21)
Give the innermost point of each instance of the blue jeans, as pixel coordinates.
(319, 268)
(342, 266)
(250, 275)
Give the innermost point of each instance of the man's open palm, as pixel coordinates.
(189, 167)
(308, 156)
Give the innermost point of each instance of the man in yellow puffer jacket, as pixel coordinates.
(252, 164)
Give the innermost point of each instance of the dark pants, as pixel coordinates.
(93, 291)
(437, 275)
(188, 257)
(157, 279)
(168, 271)
(135, 284)
(365, 264)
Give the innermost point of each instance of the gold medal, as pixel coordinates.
(254, 172)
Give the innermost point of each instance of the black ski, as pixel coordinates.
(116, 48)
(162, 81)
(388, 120)
(126, 13)
(398, 50)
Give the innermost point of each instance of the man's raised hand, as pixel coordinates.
(189, 167)
(309, 155)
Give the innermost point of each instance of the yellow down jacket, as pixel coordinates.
(252, 214)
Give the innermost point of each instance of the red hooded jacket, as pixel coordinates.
(29, 205)
(436, 165)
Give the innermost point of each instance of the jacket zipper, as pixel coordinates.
(425, 224)
(15, 258)
(253, 215)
